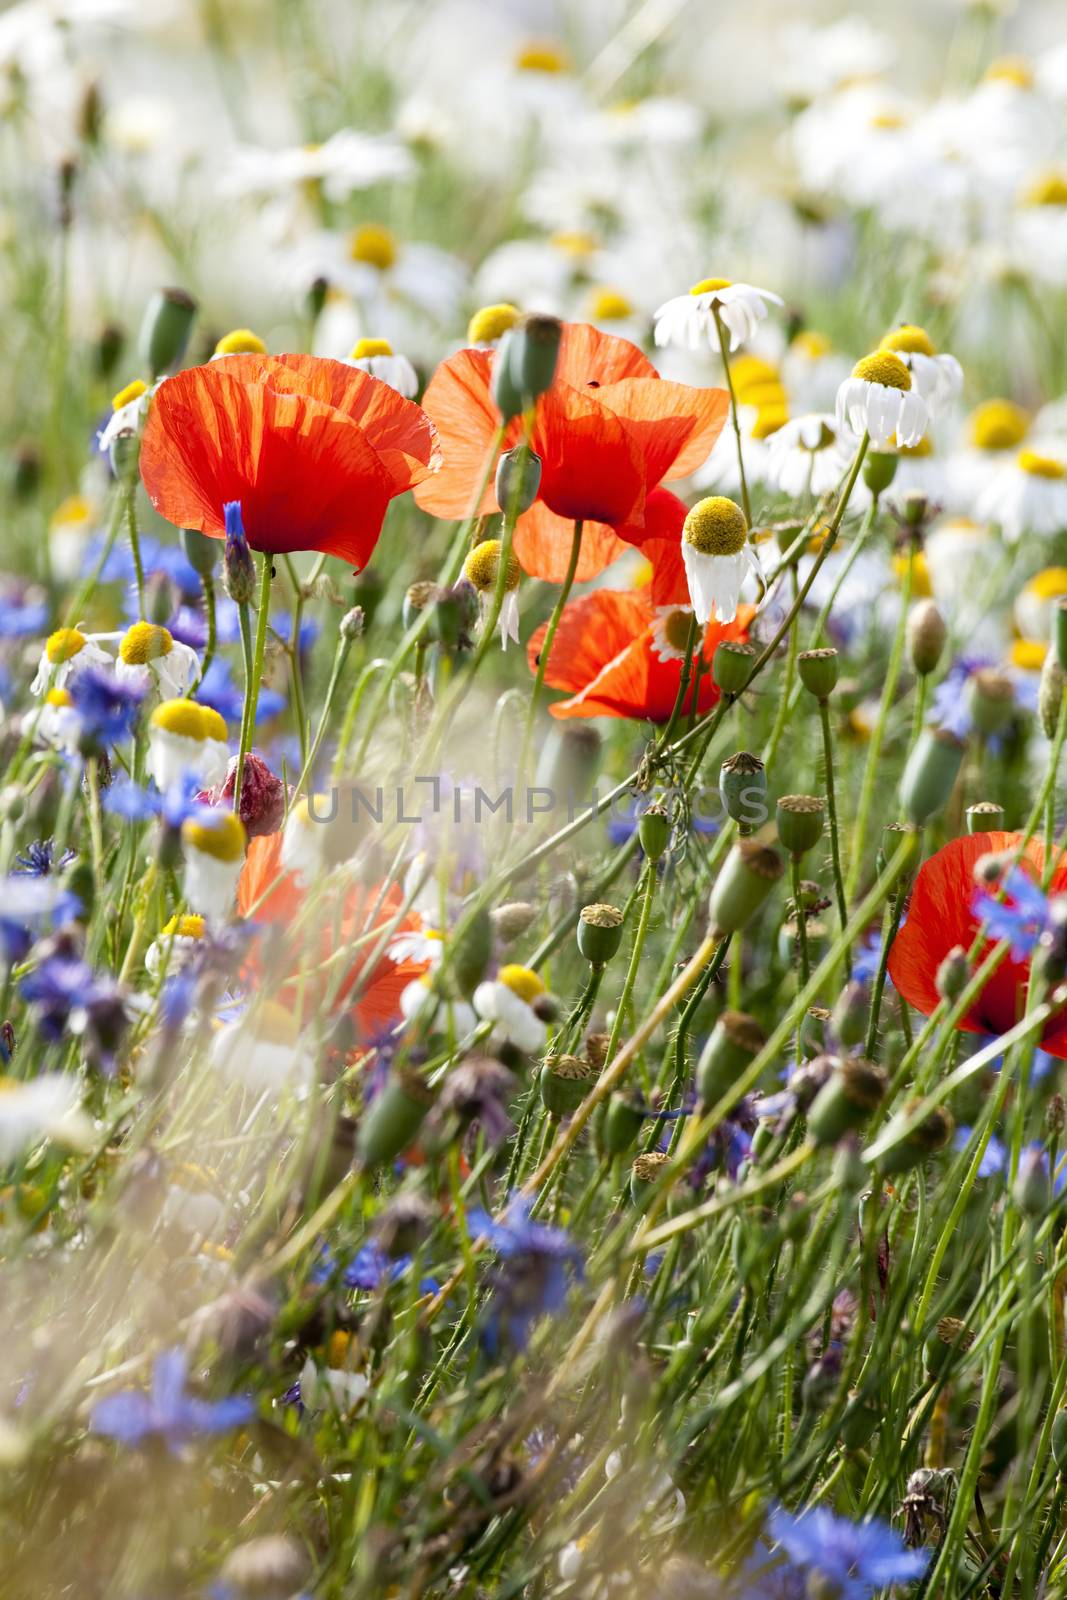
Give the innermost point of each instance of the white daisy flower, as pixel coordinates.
(150, 658)
(72, 525)
(175, 946)
(331, 1388)
(376, 357)
(937, 378)
(689, 319)
(419, 1002)
(45, 1107)
(57, 724)
(805, 456)
(417, 944)
(880, 399)
(67, 653)
(214, 851)
(262, 1050)
(670, 632)
(994, 431)
(347, 161)
(128, 411)
(481, 569)
(186, 738)
(717, 557)
(1027, 495)
(508, 1002)
(302, 843)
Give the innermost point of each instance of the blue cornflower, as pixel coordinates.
(534, 1274)
(106, 708)
(188, 626)
(218, 690)
(63, 985)
(857, 1557)
(865, 959)
(994, 1157)
(128, 800)
(949, 709)
(1022, 916)
(28, 904)
(37, 860)
(167, 1412)
(22, 615)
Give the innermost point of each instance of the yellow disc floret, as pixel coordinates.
(911, 339)
(189, 926)
(769, 419)
(64, 645)
(58, 697)
(675, 626)
(885, 368)
(188, 720)
(491, 323)
(132, 391)
(223, 837)
(998, 425)
(144, 642)
(1038, 466)
(811, 344)
(1050, 189)
(541, 55)
(483, 564)
(1028, 654)
(609, 305)
(1010, 69)
(754, 378)
(709, 285)
(374, 245)
(522, 981)
(75, 508)
(1048, 584)
(366, 349)
(240, 342)
(716, 527)
(573, 242)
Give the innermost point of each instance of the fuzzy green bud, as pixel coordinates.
(620, 1125)
(990, 699)
(746, 878)
(1032, 1189)
(599, 933)
(893, 834)
(732, 1046)
(471, 952)
(393, 1119)
(1059, 631)
(879, 469)
(1050, 689)
(846, 1100)
(953, 974)
(850, 1014)
(168, 321)
(731, 665)
(518, 478)
(512, 919)
(201, 552)
(525, 363)
(800, 822)
(818, 671)
(911, 1148)
(926, 635)
(654, 831)
(743, 789)
(564, 1083)
(930, 773)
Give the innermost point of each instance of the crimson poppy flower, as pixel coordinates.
(607, 431)
(619, 656)
(270, 895)
(314, 450)
(942, 914)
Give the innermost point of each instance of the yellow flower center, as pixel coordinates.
(1028, 654)
(886, 121)
(716, 526)
(541, 55)
(144, 642)
(64, 645)
(58, 697)
(1050, 189)
(365, 349)
(1039, 466)
(609, 305)
(925, 447)
(1048, 584)
(491, 323)
(885, 368)
(189, 926)
(483, 564)
(223, 838)
(753, 377)
(189, 720)
(1010, 69)
(769, 419)
(998, 425)
(573, 242)
(240, 342)
(911, 339)
(709, 285)
(811, 344)
(521, 981)
(132, 391)
(374, 245)
(74, 509)
(676, 628)
(921, 588)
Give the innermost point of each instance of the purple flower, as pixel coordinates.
(167, 1412)
(857, 1557)
(1021, 917)
(37, 860)
(533, 1277)
(128, 800)
(949, 709)
(106, 708)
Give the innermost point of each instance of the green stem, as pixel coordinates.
(546, 651)
(252, 684)
(831, 812)
(721, 331)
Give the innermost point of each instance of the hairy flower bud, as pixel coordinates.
(518, 478)
(168, 321)
(732, 1046)
(990, 699)
(846, 1100)
(926, 635)
(393, 1119)
(746, 878)
(743, 788)
(930, 773)
(1050, 690)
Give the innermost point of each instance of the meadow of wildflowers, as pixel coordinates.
(533, 826)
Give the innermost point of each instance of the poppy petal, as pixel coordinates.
(542, 546)
(673, 425)
(659, 539)
(589, 358)
(457, 402)
(590, 469)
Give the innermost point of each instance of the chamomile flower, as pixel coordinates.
(1027, 495)
(879, 399)
(239, 342)
(178, 941)
(490, 323)
(937, 378)
(421, 1003)
(481, 569)
(804, 455)
(186, 738)
(689, 319)
(508, 1001)
(417, 944)
(128, 411)
(214, 852)
(57, 723)
(1036, 602)
(670, 632)
(70, 528)
(717, 557)
(377, 357)
(151, 658)
(992, 433)
(45, 1107)
(262, 1049)
(67, 653)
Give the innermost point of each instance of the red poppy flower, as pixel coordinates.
(607, 431)
(269, 895)
(607, 655)
(941, 915)
(314, 450)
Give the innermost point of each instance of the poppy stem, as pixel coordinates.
(253, 678)
(721, 331)
(212, 630)
(683, 688)
(831, 811)
(135, 546)
(546, 651)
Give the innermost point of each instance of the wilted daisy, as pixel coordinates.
(937, 378)
(186, 738)
(128, 411)
(377, 357)
(804, 456)
(481, 569)
(879, 399)
(717, 557)
(214, 851)
(508, 1001)
(670, 632)
(177, 943)
(45, 1107)
(262, 1049)
(1027, 495)
(151, 658)
(67, 652)
(689, 319)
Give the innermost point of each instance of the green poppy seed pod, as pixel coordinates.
(315, 299)
(564, 1084)
(1059, 1441)
(879, 470)
(846, 1100)
(912, 1148)
(471, 952)
(645, 1174)
(518, 478)
(201, 552)
(892, 836)
(393, 1119)
(110, 343)
(534, 353)
(1032, 1189)
(985, 816)
(504, 390)
(599, 933)
(731, 665)
(511, 920)
(654, 831)
(858, 1423)
(1059, 631)
(1050, 687)
(743, 788)
(620, 1125)
(926, 635)
(569, 762)
(930, 773)
(746, 878)
(123, 454)
(818, 671)
(990, 699)
(417, 597)
(952, 1339)
(168, 321)
(732, 1046)
(800, 822)
(813, 1035)
(953, 974)
(850, 1014)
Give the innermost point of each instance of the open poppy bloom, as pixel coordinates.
(619, 656)
(268, 894)
(946, 909)
(608, 431)
(314, 450)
